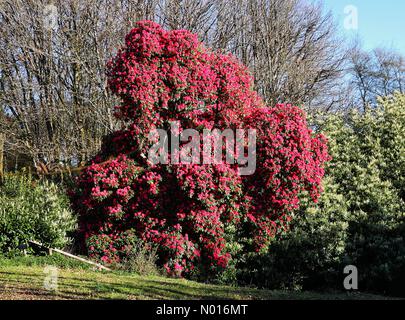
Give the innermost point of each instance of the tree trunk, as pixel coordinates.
(1, 156)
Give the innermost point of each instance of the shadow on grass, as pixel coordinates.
(118, 286)
(126, 287)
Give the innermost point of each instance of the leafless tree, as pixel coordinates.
(52, 58)
(290, 46)
(375, 73)
(292, 49)
(52, 77)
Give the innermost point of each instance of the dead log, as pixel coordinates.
(100, 266)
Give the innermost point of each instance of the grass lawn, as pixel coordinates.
(23, 278)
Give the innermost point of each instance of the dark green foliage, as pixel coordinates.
(33, 210)
(360, 219)
(308, 255)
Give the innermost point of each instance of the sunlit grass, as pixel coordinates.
(23, 278)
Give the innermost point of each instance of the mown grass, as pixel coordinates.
(24, 278)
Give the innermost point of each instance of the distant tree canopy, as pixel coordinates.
(52, 62)
(378, 73)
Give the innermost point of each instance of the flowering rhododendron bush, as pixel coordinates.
(198, 216)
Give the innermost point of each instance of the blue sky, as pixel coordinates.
(380, 22)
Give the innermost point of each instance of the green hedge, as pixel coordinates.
(369, 168)
(360, 219)
(33, 210)
(306, 256)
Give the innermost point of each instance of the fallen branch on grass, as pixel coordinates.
(100, 266)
